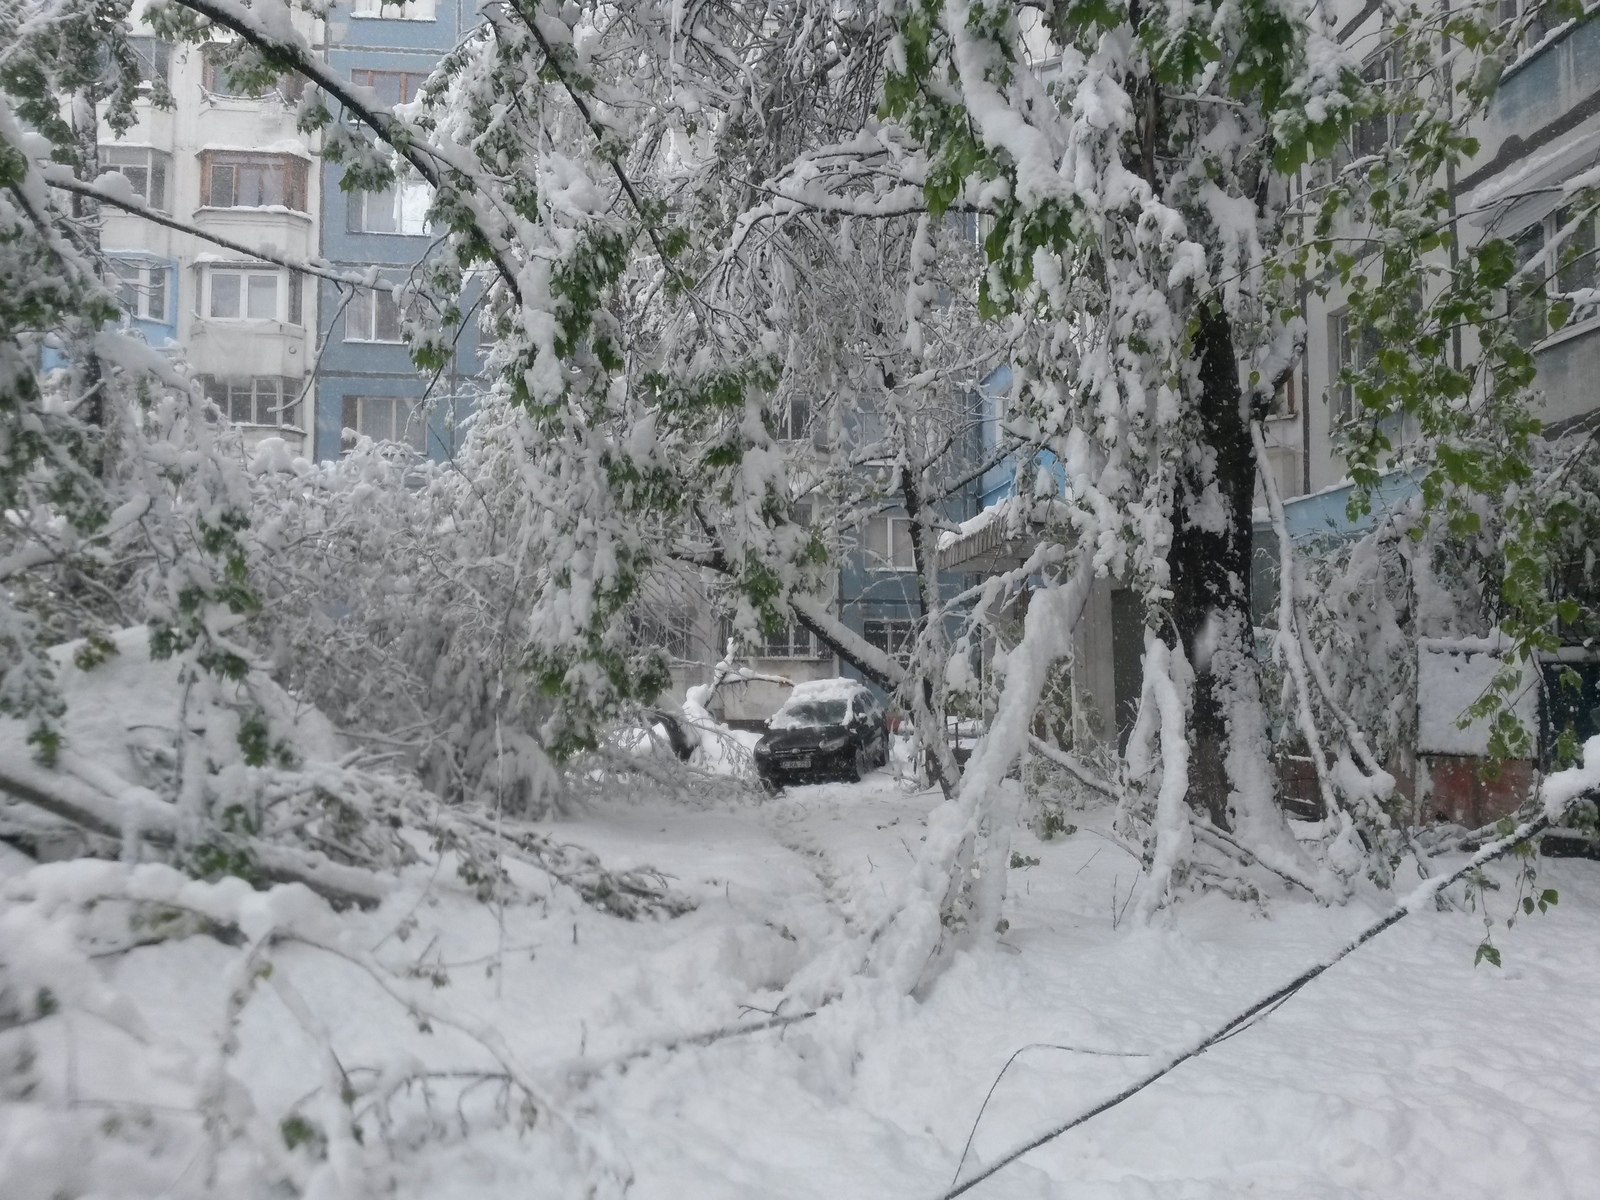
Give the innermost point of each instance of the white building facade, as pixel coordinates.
(233, 164)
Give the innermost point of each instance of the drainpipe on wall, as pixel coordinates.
(1305, 370)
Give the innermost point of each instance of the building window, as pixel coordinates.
(269, 400)
(1525, 294)
(965, 225)
(384, 419)
(393, 87)
(793, 419)
(1540, 250)
(254, 294)
(1283, 398)
(895, 636)
(400, 208)
(373, 315)
(670, 628)
(791, 641)
(154, 56)
(146, 169)
(888, 544)
(411, 10)
(1538, 28)
(1378, 132)
(217, 78)
(1351, 352)
(141, 288)
(231, 180)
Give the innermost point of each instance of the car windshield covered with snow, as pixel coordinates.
(811, 714)
(827, 729)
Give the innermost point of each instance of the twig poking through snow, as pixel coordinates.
(1015, 1054)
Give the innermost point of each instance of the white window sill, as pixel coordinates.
(350, 341)
(270, 325)
(431, 20)
(1568, 333)
(254, 210)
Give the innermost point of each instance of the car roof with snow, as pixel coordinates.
(826, 689)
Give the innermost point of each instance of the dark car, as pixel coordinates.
(829, 729)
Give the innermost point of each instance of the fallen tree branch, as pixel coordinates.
(138, 811)
(1554, 811)
(630, 894)
(1072, 766)
(585, 1069)
(1228, 844)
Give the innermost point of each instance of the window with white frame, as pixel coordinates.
(887, 542)
(966, 225)
(1376, 133)
(1283, 397)
(1538, 28)
(1351, 349)
(411, 10)
(146, 169)
(154, 57)
(267, 400)
(791, 641)
(793, 418)
(895, 636)
(373, 315)
(384, 419)
(141, 288)
(1558, 248)
(400, 208)
(244, 293)
(219, 77)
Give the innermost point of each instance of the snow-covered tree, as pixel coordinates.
(687, 222)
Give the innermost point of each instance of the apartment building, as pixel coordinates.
(1542, 129)
(366, 382)
(229, 161)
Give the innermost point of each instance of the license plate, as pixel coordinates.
(794, 764)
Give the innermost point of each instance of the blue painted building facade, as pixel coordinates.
(367, 381)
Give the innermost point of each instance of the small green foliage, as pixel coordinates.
(45, 1003)
(96, 648)
(254, 738)
(1486, 951)
(298, 1131)
(237, 819)
(46, 742)
(215, 859)
(1019, 861)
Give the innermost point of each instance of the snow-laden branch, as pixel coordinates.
(62, 177)
(1073, 766)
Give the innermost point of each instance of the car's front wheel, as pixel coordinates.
(863, 762)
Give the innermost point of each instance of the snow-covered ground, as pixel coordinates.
(1404, 1071)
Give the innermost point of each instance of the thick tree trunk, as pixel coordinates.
(1210, 563)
